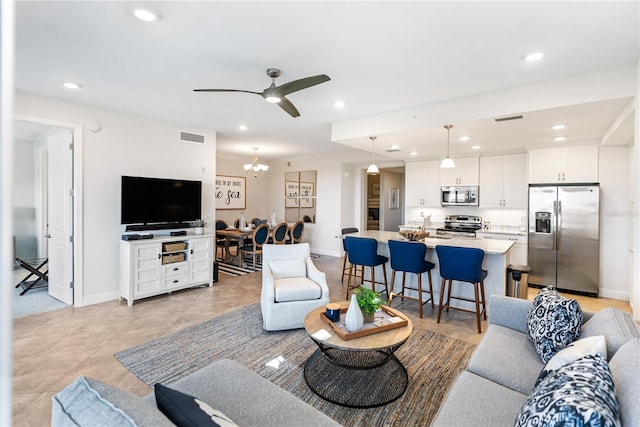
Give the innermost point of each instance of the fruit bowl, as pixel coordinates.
(414, 235)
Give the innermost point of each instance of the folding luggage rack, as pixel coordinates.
(35, 268)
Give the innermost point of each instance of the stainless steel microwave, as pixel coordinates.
(459, 196)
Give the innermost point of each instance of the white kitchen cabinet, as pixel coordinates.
(465, 173)
(517, 253)
(162, 265)
(422, 184)
(503, 181)
(573, 164)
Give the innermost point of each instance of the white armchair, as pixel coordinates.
(292, 286)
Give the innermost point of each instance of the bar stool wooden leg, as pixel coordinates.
(420, 294)
(476, 285)
(443, 289)
(431, 289)
(484, 307)
(449, 295)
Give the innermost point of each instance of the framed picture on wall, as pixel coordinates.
(231, 192)
(394, 198)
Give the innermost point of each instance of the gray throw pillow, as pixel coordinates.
(553, 322)
(616, 325)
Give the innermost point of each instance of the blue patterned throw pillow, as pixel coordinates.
(578, 394)
(553, 322)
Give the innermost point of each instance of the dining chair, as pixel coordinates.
(259, 238)
(295, 232)
(409, 257)
(279, 234)
(346, 265)
(255, 221)
(363, 251)
(236, 223)
(221, 241)
(462, 265)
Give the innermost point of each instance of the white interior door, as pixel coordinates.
(60, 213)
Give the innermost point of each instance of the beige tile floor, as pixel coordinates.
(51, 349)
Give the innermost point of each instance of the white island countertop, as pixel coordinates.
(489, 246)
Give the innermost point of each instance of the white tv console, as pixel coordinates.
(165, 264)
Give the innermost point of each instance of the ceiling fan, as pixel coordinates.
(276, 94)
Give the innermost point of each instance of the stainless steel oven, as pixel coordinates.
(459, 196)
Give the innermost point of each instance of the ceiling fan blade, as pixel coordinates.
(226, 90)
(287, 106)
(300, 84)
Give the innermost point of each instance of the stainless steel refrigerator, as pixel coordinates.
(564, 237)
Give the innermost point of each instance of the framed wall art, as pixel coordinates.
(231, 192)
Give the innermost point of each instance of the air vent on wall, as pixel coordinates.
(392, 150)
(506, 119)
(191, 137)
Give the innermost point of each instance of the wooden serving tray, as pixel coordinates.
(369, 328)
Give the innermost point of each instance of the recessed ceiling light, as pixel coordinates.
(72, 85)
(338, 104)
(394, 147)
(464, 138)
(476, 147)
(145, 15)
(559, 126)
(559, 138)
(533, 57)
(413, 153)
(243, 127)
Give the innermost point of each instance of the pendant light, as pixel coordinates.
(448, 162)
(373, 169)
(254, 168)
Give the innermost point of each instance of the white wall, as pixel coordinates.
(126, 145)
(615, 222)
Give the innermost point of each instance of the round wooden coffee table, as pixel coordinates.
(360, 372)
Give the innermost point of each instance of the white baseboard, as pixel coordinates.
(613, 294)
(97, 299)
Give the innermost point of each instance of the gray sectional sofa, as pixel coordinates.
(243, 396)
(503, 369)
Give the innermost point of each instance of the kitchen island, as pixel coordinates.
(496, 260)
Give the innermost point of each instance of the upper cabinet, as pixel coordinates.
(422, 184)
(564, 165)
(503, 181)
(465, 173)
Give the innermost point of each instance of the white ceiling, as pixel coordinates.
(381, 57)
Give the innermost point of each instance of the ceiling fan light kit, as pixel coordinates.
(254, 168)
(447, 162)
(277, 94)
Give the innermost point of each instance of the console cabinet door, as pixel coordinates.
(201, 260)
(147, 273)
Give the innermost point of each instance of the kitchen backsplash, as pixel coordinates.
(508, 217)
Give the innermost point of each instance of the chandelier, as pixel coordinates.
(254, 168)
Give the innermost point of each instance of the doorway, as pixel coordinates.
(44, 188)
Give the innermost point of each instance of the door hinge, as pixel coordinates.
(71, 192)
(70, 285)
(71, 146)
(70, 239)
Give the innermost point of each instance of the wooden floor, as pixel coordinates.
(51, 349)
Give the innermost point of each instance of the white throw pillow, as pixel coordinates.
(284, 268)
(596, 344)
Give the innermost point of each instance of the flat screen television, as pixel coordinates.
(157, 201)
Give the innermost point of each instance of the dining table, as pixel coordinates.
(230, 235)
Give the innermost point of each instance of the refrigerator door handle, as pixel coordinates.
(559, 227)
(554, 225)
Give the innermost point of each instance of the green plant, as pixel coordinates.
(368, 300)
(198, 223)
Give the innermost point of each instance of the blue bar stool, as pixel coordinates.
(463, 265)
(408, 257)
(348, 267)
(363, 251)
